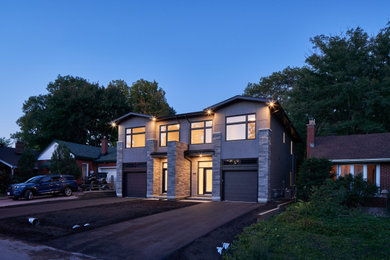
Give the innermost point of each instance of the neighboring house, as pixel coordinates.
(88, 158)
(241, 149)
(366, 154)
(9, 158)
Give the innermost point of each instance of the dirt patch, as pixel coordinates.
(205, 247)
(59, 223)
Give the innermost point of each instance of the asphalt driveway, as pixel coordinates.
(155, 236)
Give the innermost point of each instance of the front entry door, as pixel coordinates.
(208, 181)
(165, 178)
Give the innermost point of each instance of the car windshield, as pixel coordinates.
(35, 179)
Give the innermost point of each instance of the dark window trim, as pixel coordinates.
(166, 131)
(131, 139)
(204, 131)
(246, 122)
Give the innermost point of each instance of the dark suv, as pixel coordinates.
(43, 185)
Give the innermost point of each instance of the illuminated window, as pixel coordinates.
(205, 178)
(241, 127)
(371, 173)
(284, 137)
(291, 148)
(135, 137)
(201, 132)
(345, 170)
(169, 133)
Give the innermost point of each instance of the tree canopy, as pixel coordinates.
(5, 142)
(79, 111)
(344, 85)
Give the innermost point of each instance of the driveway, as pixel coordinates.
(54, 205)
(155, 236)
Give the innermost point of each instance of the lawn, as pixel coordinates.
(59, 223)
(293, 235)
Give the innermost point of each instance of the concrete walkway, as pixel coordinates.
(53, 205)
(155, 236)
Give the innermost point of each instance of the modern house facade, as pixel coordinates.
(241, 149)
(365, 154)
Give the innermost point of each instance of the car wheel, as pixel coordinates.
(67, 191)
(28, 195)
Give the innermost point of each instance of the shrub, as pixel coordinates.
(312, 173)
(25, 168)
(357, 190)
(62, 162)
(5, 180)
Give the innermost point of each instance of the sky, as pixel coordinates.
(200, 52)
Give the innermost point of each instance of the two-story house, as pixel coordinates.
(241, 149)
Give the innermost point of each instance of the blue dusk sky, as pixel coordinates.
(200, 52)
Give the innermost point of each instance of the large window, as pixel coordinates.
(169, 133)
(201, 132)
(370, 172)
(241, 127)
(135, 137)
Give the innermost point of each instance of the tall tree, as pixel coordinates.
(62, 162)
(345, 84)
(147, 98)
(5, 142)
(26, 165)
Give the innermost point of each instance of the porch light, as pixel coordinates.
(208, 111)
(271, 104)
(153, 118)
(113, 124)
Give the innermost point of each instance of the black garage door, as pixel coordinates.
(240, 186)
(135, 184)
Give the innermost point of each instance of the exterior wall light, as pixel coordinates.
(154, 118)
(113, 124)
(208, 111)
(271, 104)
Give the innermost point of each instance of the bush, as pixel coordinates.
(62, 162)
(312, 173)
(25, 168)
(5, 180)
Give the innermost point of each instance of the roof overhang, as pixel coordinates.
(9, 165)
(360, 160)
(131, 114)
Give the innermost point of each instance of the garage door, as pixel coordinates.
(135, 184)
(240, 186)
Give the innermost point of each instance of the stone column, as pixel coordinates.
(119, 169)
(178, 171)
(150, 148)
(264, 181)
(217, 142)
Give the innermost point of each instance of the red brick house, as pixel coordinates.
(366, 154)
(89, 158)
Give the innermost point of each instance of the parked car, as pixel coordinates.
(43, 185)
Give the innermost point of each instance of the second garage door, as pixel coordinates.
(240, 186)
(135, 184)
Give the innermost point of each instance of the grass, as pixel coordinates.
(293, 235)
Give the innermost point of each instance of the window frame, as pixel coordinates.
(166, 132)
(246, 122)
(131, 139)
(204, 128)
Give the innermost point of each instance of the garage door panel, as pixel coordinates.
(240, 186)
(136, 184)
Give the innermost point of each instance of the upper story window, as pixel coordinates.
(241, 127)
(135, 137)
(169, 133)
(201, 132)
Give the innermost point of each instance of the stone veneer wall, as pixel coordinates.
(157, 169)
(178, 171)
(217, 141)
(264, 164)
(151, 145)
(119, 169)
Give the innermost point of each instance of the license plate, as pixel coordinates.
(8, 193)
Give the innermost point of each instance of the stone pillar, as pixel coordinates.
(264, 181)
(178, 171)
(119, 169)
(150, 147)
(217, 142)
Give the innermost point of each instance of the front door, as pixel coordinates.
(165, 178)
(205, 178)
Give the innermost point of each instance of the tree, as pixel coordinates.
(25, 167)
(62, 162)
(312, 174)
(344, 85)
(147, 98)
(5, 142)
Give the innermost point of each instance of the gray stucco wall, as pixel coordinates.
(281, 159)
(244, 148)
